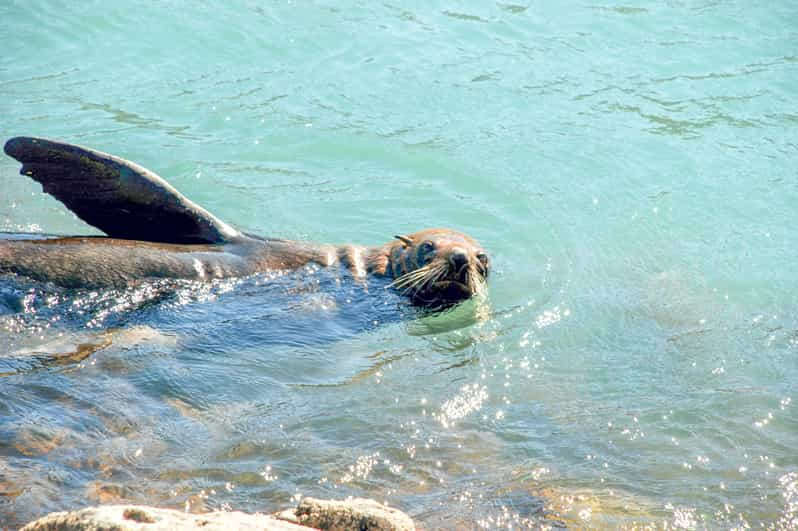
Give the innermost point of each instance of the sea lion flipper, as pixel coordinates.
(122, 199)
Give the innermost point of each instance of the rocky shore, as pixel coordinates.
(332, 515)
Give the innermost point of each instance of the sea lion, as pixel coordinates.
(155, 232)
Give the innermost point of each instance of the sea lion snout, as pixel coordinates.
(458, 259)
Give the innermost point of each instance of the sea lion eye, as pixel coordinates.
(426, 247)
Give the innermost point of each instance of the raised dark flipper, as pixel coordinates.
(122, 199)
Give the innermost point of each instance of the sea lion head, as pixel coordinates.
(438, 267)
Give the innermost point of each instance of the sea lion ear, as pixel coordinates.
(405, 240)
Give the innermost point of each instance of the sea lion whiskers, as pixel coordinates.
(434, 276)
(477, 281)
(413, 278)
(406, 283)
(408, 277)
(431, 278)
(418, 279)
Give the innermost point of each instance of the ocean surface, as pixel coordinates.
(630, 167)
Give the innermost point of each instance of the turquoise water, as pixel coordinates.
(629, 166)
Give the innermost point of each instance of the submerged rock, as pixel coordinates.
(358, 513)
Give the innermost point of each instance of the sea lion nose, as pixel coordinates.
(458, 259)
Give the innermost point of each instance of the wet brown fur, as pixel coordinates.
(109, 262)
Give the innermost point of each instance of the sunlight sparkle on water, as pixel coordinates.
(362, 468)
(267, 474)
(550, 317)
(468, 400)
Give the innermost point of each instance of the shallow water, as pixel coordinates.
(629, 166)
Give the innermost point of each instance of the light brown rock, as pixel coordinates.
(142, 518)
(355, 513)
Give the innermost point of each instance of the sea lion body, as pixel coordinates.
(154, 233)
(111, 262)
